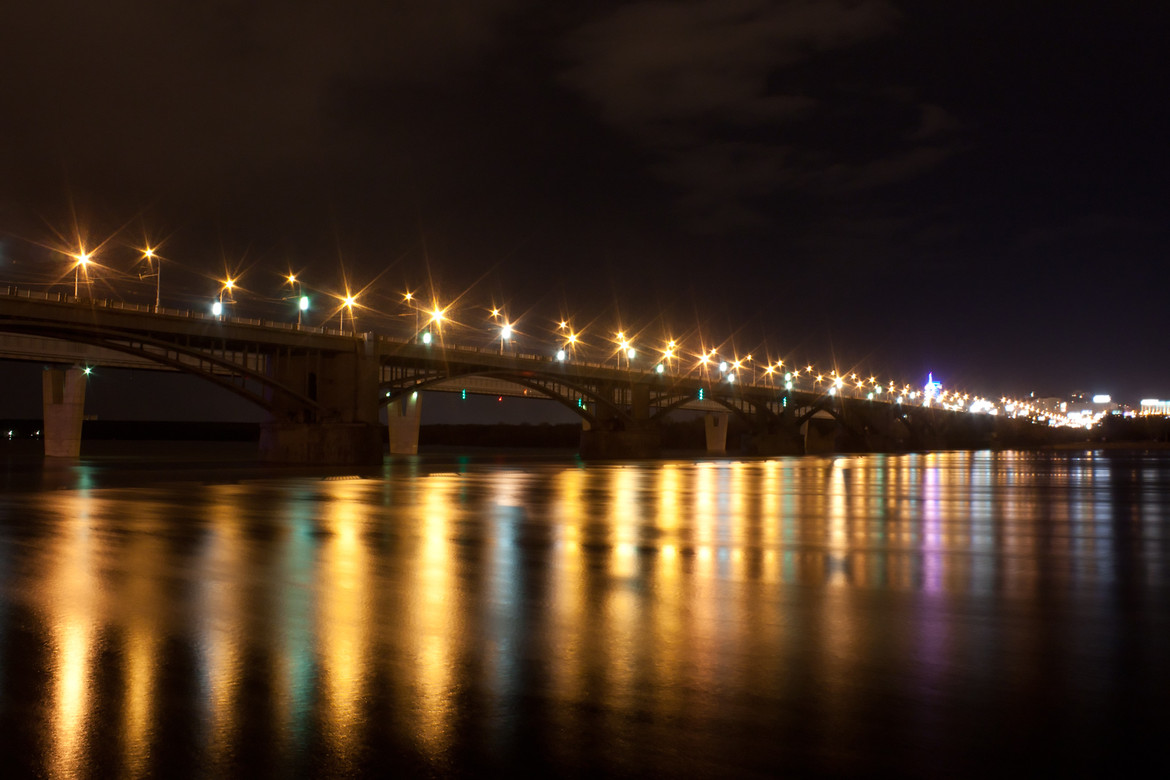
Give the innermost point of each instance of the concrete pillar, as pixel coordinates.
(63, 393)
(715, 425)
(820, 435)
(343, 428)
(404, 416)
(640, 402)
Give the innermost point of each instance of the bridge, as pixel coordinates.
(322, 389)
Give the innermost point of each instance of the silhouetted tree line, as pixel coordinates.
(1133, 429)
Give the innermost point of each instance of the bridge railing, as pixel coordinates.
(14, 291)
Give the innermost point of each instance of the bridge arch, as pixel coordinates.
(194, 361)
(551, 386)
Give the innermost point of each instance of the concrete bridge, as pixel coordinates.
(322, 389)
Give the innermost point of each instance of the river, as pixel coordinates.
(177, 612)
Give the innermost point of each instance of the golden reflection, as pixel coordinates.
(433, 615)
(669, 514)
(343, 615)
(222, 614)
(568, 588)
(838, 538)
(624, 500)
(75, 601)
(704, 507)
(145, 621)
(770, 507)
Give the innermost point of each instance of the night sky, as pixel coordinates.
(973, 189)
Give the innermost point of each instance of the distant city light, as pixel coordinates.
(1103, 398)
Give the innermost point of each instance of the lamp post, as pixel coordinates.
(668, 353)
(438, 314)
(83, 259)
(299, 297)
(156, 271)
(347, 304)
(505, 335)
(229, 285)
(408, 297)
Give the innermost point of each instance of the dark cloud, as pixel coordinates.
(723, 93)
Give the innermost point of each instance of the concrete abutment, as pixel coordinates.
(403, 418)
(63, 395)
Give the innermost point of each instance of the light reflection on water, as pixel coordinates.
(672, 616)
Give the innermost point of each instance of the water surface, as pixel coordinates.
(163, 614)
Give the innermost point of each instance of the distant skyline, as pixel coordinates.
(972, 190)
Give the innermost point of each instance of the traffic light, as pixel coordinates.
(463, 394)
(700, 394)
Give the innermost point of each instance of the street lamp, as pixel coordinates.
(347, 304)
(438, 314)
(299, 296)
(83, 260)
(505, 335)
(408, 299)
(229, 286)
(149, 256)
(623, 347)
(668, 353)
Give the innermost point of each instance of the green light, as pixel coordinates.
(463, 394)
(700, 394)
(580, 403)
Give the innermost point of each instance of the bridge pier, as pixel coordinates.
(614, 439)
(403, 417)
(715, 428)
(343, 428)
(63, 396)
(820, 435)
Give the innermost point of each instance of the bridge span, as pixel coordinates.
(322, 388)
